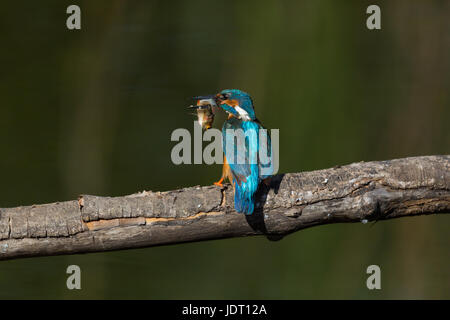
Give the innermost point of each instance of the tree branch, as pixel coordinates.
(353, 193)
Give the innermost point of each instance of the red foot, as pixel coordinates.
(219, 183)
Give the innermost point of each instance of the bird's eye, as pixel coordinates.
(222, 96)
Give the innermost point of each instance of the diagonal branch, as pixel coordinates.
(353, 193)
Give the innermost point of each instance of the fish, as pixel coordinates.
(205, 111)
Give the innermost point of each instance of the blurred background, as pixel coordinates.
(91, 111)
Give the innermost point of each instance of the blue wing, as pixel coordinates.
(242, 156)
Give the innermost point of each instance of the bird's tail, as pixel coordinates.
(244, 199)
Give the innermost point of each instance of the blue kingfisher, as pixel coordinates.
(247, 169)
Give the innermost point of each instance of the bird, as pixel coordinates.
(247, 169)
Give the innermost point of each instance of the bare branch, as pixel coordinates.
(353, 193)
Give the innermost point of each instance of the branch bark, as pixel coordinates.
(358, 192)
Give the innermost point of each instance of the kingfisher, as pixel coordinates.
(245, 166)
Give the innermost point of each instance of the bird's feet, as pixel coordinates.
(219, 183)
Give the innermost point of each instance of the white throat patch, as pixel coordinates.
(244, 115)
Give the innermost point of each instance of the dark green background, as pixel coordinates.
(91, 111)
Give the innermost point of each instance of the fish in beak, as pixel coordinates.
(205, 113)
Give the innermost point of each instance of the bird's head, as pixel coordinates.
(237, 103)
